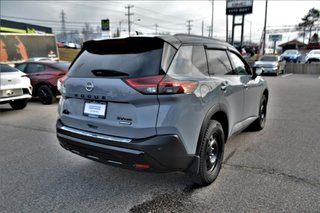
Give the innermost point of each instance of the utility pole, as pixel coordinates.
(209, 30)
(265, 28)
(202, 28)
(227, 28)
(212, 2)
(189, 26)
(63, 25)
(129, 14)
(157, 29)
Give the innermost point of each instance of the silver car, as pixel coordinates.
(162, 103)
(15, 87)
(271, 64)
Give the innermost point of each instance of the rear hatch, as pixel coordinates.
(97, 96)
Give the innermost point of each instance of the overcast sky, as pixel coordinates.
(171, 16)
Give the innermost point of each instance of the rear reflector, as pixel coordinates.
(159, 84)
(141, 166)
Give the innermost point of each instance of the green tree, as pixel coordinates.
(308, 23)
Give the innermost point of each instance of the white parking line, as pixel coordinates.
(286, 75)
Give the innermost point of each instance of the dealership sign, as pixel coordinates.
(238, 7)
(275, 37)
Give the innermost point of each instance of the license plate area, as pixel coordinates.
(11, 92)
(95, 109)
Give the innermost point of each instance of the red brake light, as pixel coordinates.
(172, 86)
(145, 85)
(159, 84)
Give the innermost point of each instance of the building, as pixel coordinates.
(294, 44)
(7, 26)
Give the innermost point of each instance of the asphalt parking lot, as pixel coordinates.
(276, 169)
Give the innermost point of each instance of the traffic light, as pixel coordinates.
(105, 25)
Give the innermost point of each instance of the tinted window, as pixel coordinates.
(189, 61)
(130, 57)
(21, 67)
(33, 68)
(7, 68)
(238, 64)
(219, 63)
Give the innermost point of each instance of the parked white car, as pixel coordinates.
(271, 64)
(313, 56)
(15, 87)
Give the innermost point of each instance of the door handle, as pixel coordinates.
(245, 86)
(224, 85)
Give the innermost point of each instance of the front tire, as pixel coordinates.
(261, 120)
(19, 104)
(46, 95)
(211, 154)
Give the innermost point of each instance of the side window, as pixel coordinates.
(199, 59)
(34, 68)
(219, 63)
(239, 66)
(189, 61)
(21, 67)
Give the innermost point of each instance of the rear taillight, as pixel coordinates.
(159, 84)
(59, 74)
(60, 83)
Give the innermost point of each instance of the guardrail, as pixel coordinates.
(313, 68)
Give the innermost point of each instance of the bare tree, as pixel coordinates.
(308, 23)
(87, 31)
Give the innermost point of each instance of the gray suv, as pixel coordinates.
(162, 103)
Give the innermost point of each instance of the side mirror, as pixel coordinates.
(256, 71)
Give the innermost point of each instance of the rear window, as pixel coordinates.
(7, 68)
(130, 57)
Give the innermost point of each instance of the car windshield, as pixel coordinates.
(7, 68)
(269, 58)
(291, 52)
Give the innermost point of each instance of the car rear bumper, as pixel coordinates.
(8, 99)
(162, 153)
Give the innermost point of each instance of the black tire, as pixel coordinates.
(46, 95)
(19, 104)
(211, 154)
(259, 124)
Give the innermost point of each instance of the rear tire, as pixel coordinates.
(46, 95)
(261, 120)
(19, 104)
(211, 154)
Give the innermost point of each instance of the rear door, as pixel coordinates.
(96, 95)
(229, 82)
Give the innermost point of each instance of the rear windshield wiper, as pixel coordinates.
(108, 73)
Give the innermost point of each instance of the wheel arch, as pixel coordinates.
(36, 87)
(218, 114)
